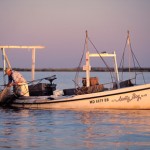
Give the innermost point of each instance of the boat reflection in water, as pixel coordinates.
(65, 130)
(115, 129)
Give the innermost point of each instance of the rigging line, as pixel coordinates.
(40, 80)
(138, 64)
(102, 59)
(122, 59)
(78, 68)
(28, 82)
(134, 58)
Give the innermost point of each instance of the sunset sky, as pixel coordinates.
(60, 26)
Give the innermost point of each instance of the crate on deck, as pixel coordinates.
(93, 81)
(71, 91)
(41, 89)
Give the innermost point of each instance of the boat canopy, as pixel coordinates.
(5, 58)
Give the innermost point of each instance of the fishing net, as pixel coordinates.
(5, 94)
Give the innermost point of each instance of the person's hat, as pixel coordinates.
(7, 70)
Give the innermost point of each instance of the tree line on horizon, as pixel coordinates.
(102, 69)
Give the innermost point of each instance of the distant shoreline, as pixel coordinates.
(93, 69)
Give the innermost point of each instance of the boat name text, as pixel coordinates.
(127, 98)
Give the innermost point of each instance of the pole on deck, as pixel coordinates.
(116, 70)
(33, 63)
(87, 62)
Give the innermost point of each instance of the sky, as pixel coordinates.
(60, 25)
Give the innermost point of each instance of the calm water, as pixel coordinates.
(74, 129)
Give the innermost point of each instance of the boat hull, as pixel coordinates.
(136, 97)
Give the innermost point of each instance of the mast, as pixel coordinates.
(33, 63)
(4, 64)
(5, 61)
(88, 67)
(129, 44)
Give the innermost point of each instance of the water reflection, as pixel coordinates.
(73, 129)
(116, 128)
(13, 128)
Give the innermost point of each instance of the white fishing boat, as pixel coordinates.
(92, 95)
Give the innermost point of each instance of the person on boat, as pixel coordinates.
(15, 79)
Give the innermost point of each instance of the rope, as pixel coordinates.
(78, 68)
(102, 59)
(134, 59)
(122, 59)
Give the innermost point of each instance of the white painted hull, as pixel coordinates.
(136, 97)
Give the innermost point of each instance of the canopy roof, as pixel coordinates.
(24, 47)
(5, 58)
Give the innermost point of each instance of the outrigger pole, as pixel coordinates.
(5, 58)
